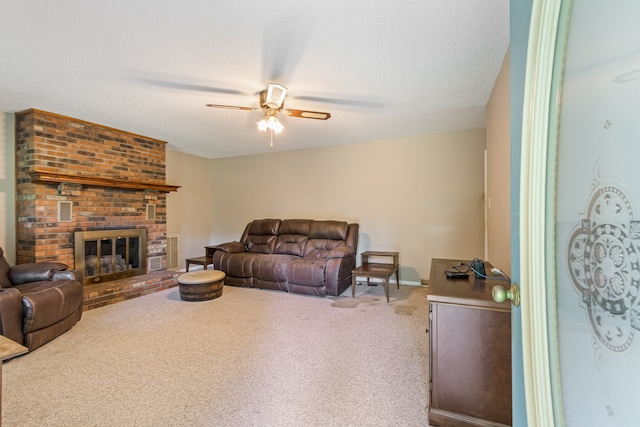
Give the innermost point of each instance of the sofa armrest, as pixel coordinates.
(339, 252)
(34, 272)
(231, 247)
(68, 275)
(11, 314)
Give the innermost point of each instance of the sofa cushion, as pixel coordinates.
(260, 244)
(315, 246)
(308, 272)
(237, 264)
(290, 244)
(295, 226)
(270, 268)
(334, 230)
(264, 226)
(261, 235)
(293, 237)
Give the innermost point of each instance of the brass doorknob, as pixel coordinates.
(500, 294)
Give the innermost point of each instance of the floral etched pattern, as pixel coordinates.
(604, 268)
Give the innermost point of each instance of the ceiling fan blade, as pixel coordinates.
(341, 101)
(233, 107)
(307, 114)
(285, 39)
(168, 84)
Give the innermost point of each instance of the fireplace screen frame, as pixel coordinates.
(100, 236)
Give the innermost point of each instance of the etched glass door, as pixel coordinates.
(594, 242)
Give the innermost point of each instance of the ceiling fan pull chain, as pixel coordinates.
(271, 145)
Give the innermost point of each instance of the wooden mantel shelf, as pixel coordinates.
(59, 178)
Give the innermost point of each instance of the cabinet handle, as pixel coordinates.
(500, 294)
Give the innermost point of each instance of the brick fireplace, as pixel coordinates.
(73, 175)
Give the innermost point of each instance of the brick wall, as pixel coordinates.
(47, 142)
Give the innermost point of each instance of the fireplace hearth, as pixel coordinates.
(106, 255)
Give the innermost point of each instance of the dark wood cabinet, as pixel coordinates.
(470, 350)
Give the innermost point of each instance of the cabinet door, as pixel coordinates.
(470, 366)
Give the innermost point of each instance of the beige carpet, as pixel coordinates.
(249, 358)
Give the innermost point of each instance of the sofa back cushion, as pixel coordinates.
(260, 236)
(293, 237)
(333, 230)
(290, 244)
(315, 245)
(325, 236)
(295, 226)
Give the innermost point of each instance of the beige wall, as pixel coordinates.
(189, 208)
(7, 186)
(498, 172)
(421, 196)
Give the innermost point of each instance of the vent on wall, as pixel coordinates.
(173, 251)
(151, 212)
(155, 263)
(65, 211)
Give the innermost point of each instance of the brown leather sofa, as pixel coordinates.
(38, 301)
(295, 255)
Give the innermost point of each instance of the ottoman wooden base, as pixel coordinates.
(201, 285)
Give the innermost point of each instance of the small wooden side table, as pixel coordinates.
(376, 270)
(203, 261)
(8, 349)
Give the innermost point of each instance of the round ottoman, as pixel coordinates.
(201, 285)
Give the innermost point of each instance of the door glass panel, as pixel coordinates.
(597, 201)
(106, 256)
(91, 264)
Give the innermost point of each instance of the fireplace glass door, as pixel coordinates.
(110, 254)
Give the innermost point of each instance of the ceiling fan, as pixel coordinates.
(272, 102)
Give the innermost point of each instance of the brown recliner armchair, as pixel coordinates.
(38, 301)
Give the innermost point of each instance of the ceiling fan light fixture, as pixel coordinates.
(262, 125)
(272, 102)
(270, 122)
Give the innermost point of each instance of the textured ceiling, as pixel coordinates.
(383, 69)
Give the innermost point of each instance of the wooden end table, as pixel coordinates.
(376, 270)
(8, 349)
(203, 261)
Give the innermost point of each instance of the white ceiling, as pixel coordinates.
(383, 69)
